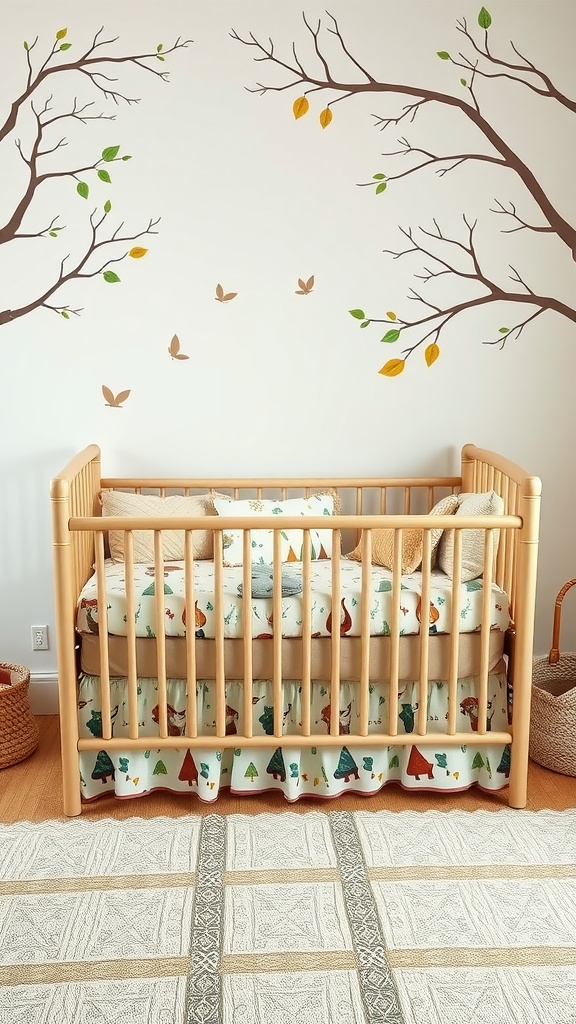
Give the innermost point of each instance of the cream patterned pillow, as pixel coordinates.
(123, 503)
(263, 540)
(412, 541)
(486, 504)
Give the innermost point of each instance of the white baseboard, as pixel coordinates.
(44, 693)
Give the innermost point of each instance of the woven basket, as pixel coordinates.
(553, 717)
(18, 727)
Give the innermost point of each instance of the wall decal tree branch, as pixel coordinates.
(93, 65)
(454, 256)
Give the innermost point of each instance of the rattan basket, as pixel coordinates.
(18, 727)
(553, 717)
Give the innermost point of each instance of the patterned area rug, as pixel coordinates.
(338, 918)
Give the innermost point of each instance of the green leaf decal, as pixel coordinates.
(159, 56)
(126, 157)
(365, 324)
(378, 177)
(391, 336)
(463, 81)
(53, 234)
(159, 47)
(65, 314)
(26, 47)
(82, 189)
(110, 276)
(110, 153)
(104, 176)
(444, 55)
(358, 314)
(503, 330)
(381, 187)
(484, 19)
(65, 46)
(107, 206)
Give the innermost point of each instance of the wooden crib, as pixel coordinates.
(510, 561)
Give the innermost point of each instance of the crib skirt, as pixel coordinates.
(296, 771)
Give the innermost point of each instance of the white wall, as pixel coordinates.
(254, 199)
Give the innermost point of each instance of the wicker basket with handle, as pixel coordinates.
(18, 727)
(553, 718)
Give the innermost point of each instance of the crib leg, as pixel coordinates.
(518, 785)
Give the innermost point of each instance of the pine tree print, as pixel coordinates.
(418, 765)
(346, 766)
(504, 766)
(251, 772)
(103, 769)
(276, 767)
(407, 717)
(478, 761)
(188, 772)
(160, 768)
(394, 761)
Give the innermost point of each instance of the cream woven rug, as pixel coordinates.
(317, 918)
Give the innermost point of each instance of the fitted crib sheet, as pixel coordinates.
(204, 615)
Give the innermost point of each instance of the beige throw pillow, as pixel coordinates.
(123, 503)
(412, 541)
(487, 503)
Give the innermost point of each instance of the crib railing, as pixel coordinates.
(80, 542)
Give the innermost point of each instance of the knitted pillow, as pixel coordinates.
(486, 504)
(263, 540)
(412, 541)
(125, 503)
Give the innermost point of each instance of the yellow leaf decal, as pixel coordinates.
(61, 33)
(391, 316)
(431, 354)
(219, 292)
(137, 252)
(300, 107)
(325, 117)
(392, 368)
(108, 395)
(222, 296)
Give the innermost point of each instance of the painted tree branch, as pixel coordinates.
(95, 64)
(422, 96)
(81, 268)
(87, 64)
(546, 87)
(431, 324)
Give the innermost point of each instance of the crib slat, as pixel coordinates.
(395, 634)
(485, 631)
(133, 728)
(454, 633)
(160, 633)
(277, 634)
(219, 633)
(247, 629)
(190, 605)
(335, 637)
(103, 638)
(424, 634)
(306, 633)
(365, 630)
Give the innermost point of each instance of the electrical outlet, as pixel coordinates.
(40, 638)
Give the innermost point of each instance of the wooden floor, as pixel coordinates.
(31, 791)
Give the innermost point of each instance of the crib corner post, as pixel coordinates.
(65, 609)
(467, 469)
(525, 594)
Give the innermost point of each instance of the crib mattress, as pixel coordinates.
(262, 608)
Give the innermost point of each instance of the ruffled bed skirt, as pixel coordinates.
(294, 771)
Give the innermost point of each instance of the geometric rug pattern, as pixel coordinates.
(316, 918)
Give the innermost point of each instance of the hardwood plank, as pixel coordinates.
(31, 791)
